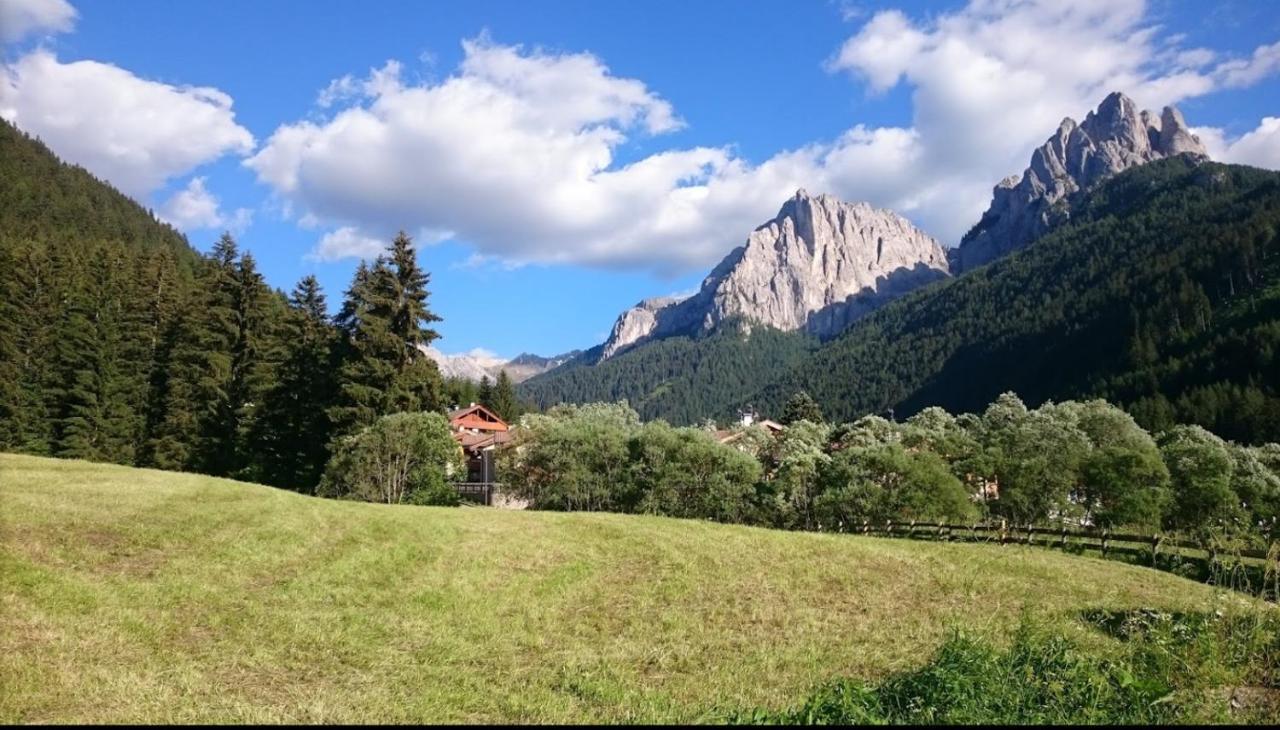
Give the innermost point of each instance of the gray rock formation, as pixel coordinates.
(1112, 139)
(636, 324)
(818, 266)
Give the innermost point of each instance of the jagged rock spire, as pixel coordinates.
(1113, 138)
(818, 265)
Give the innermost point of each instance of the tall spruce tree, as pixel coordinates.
(293, 427)
(484, 392)
(101, 368)
(192, 433)
(505, 403)
(384, 321)
(29, 304)
(419, 386)
(255, 355)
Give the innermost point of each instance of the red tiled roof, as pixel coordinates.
(479, 441)
(477, 417)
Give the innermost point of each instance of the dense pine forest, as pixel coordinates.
(681, 379)
(1162, 294)
(121, 343)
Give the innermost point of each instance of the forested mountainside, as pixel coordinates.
(44, 199)
(683, 379)
(120, 343)
(1162, 294)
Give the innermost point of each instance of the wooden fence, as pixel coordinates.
(481, 492)
(1251, 570)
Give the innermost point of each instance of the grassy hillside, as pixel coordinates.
(143, 595)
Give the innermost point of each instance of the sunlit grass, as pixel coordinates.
(137, 595)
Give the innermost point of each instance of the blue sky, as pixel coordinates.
(560, 161)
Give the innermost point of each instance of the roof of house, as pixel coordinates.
(725, 436)
(477, 417)
(481, 441)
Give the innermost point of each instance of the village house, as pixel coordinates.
(479, 431)
(747, 417)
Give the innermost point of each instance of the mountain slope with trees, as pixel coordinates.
(683, 379)
(1162, 294)
(121, 343)
(43, 199)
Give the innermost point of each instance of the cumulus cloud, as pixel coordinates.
(194, 207)
(346, 242)
(20, 18)
(133, 132)
(1259, 148)
(989, 84)
(516, 152)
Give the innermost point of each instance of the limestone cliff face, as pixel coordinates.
(1112, 139)
(818, 266)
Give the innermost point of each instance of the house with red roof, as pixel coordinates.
(479, 431)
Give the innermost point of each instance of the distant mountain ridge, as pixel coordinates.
(478, 364)
(819, 265)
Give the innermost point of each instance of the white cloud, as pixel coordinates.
(991, 82)
(194, 207)
(1264, 62)
(516, 152)
(346, 242)
(1259, 148)
(20, 18)
(133, 132)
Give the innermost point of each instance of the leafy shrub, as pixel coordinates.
(1166, 669)
(403, 457)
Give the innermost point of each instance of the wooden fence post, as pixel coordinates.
(1155, 548)
(1104, 543)
(1064, 537)
(866, 526)
(1004, 532)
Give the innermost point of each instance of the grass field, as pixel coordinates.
(136, 595)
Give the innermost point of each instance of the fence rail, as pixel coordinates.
(481, 492)
(1252, 570)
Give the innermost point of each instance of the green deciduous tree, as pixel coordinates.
(399, 458)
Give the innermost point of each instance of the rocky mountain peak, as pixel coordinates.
(818, 265)
(1114, 137)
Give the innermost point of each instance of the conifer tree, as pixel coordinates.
(191, 434)
(28, 309)
(484, 392)
(254, 358)
(419, 386)
(384, 322)
(293, 428)
(93, 418)
(505, 403)
(801, 407)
